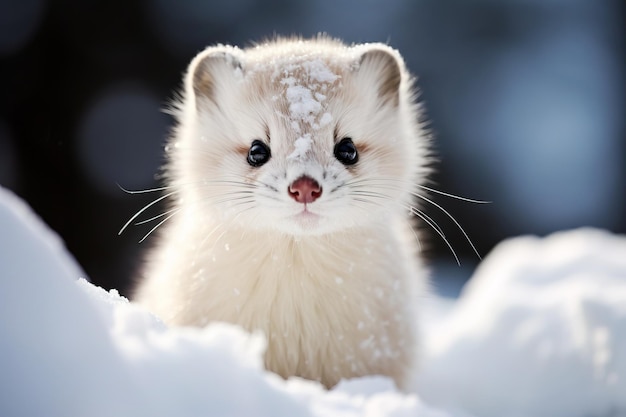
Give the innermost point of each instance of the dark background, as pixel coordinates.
(526, 98)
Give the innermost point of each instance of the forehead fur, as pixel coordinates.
(302, 74)
(267, 60)
(292, 51)
(319, 89)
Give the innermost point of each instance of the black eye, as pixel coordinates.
(258, 154)
(345, 152)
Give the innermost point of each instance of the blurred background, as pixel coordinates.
(525, 97)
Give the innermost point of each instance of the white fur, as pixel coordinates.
(333, 286)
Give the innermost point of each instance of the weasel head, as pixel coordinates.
(299, 136)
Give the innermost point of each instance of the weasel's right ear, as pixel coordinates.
(383, 67)
(213, 70)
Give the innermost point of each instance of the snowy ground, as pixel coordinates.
(540, 331)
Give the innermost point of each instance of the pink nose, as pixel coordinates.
(305, 190)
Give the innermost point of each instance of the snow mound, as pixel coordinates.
(70, 349)
(540, 331)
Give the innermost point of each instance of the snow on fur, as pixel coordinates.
(306, 102)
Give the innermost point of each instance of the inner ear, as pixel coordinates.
(384, 66)
(211, 67)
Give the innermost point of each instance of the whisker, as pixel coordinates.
(255, 181)
(247, 193)
(368, 183)
(370, 194)
(364, 200)
(226, 200)
(146, 207)
(417, 239)
(451, 218)
(458, 197)
(157, 216)
(408, 184)
(157, 226)
(419, 243)
(269, 196)
(412, 210)
(427, 219)
(229, 182)
(421, 215)
(148, 190)
(201, 182)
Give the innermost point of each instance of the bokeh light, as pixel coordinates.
(186, 27)
(120, 140)
(19, 20)
(525, 100)
(542, 120)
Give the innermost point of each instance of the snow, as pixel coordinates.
(318, 71)
(68, 348)
(302, 105)
(539, 331)
(305, 83)
(302, 145)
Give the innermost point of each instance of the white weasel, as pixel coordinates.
(292, 171)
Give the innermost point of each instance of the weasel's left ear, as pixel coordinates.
(385, 66)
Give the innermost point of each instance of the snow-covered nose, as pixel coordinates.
(305, 190)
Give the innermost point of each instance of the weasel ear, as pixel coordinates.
(212, 70)
(384, 65)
